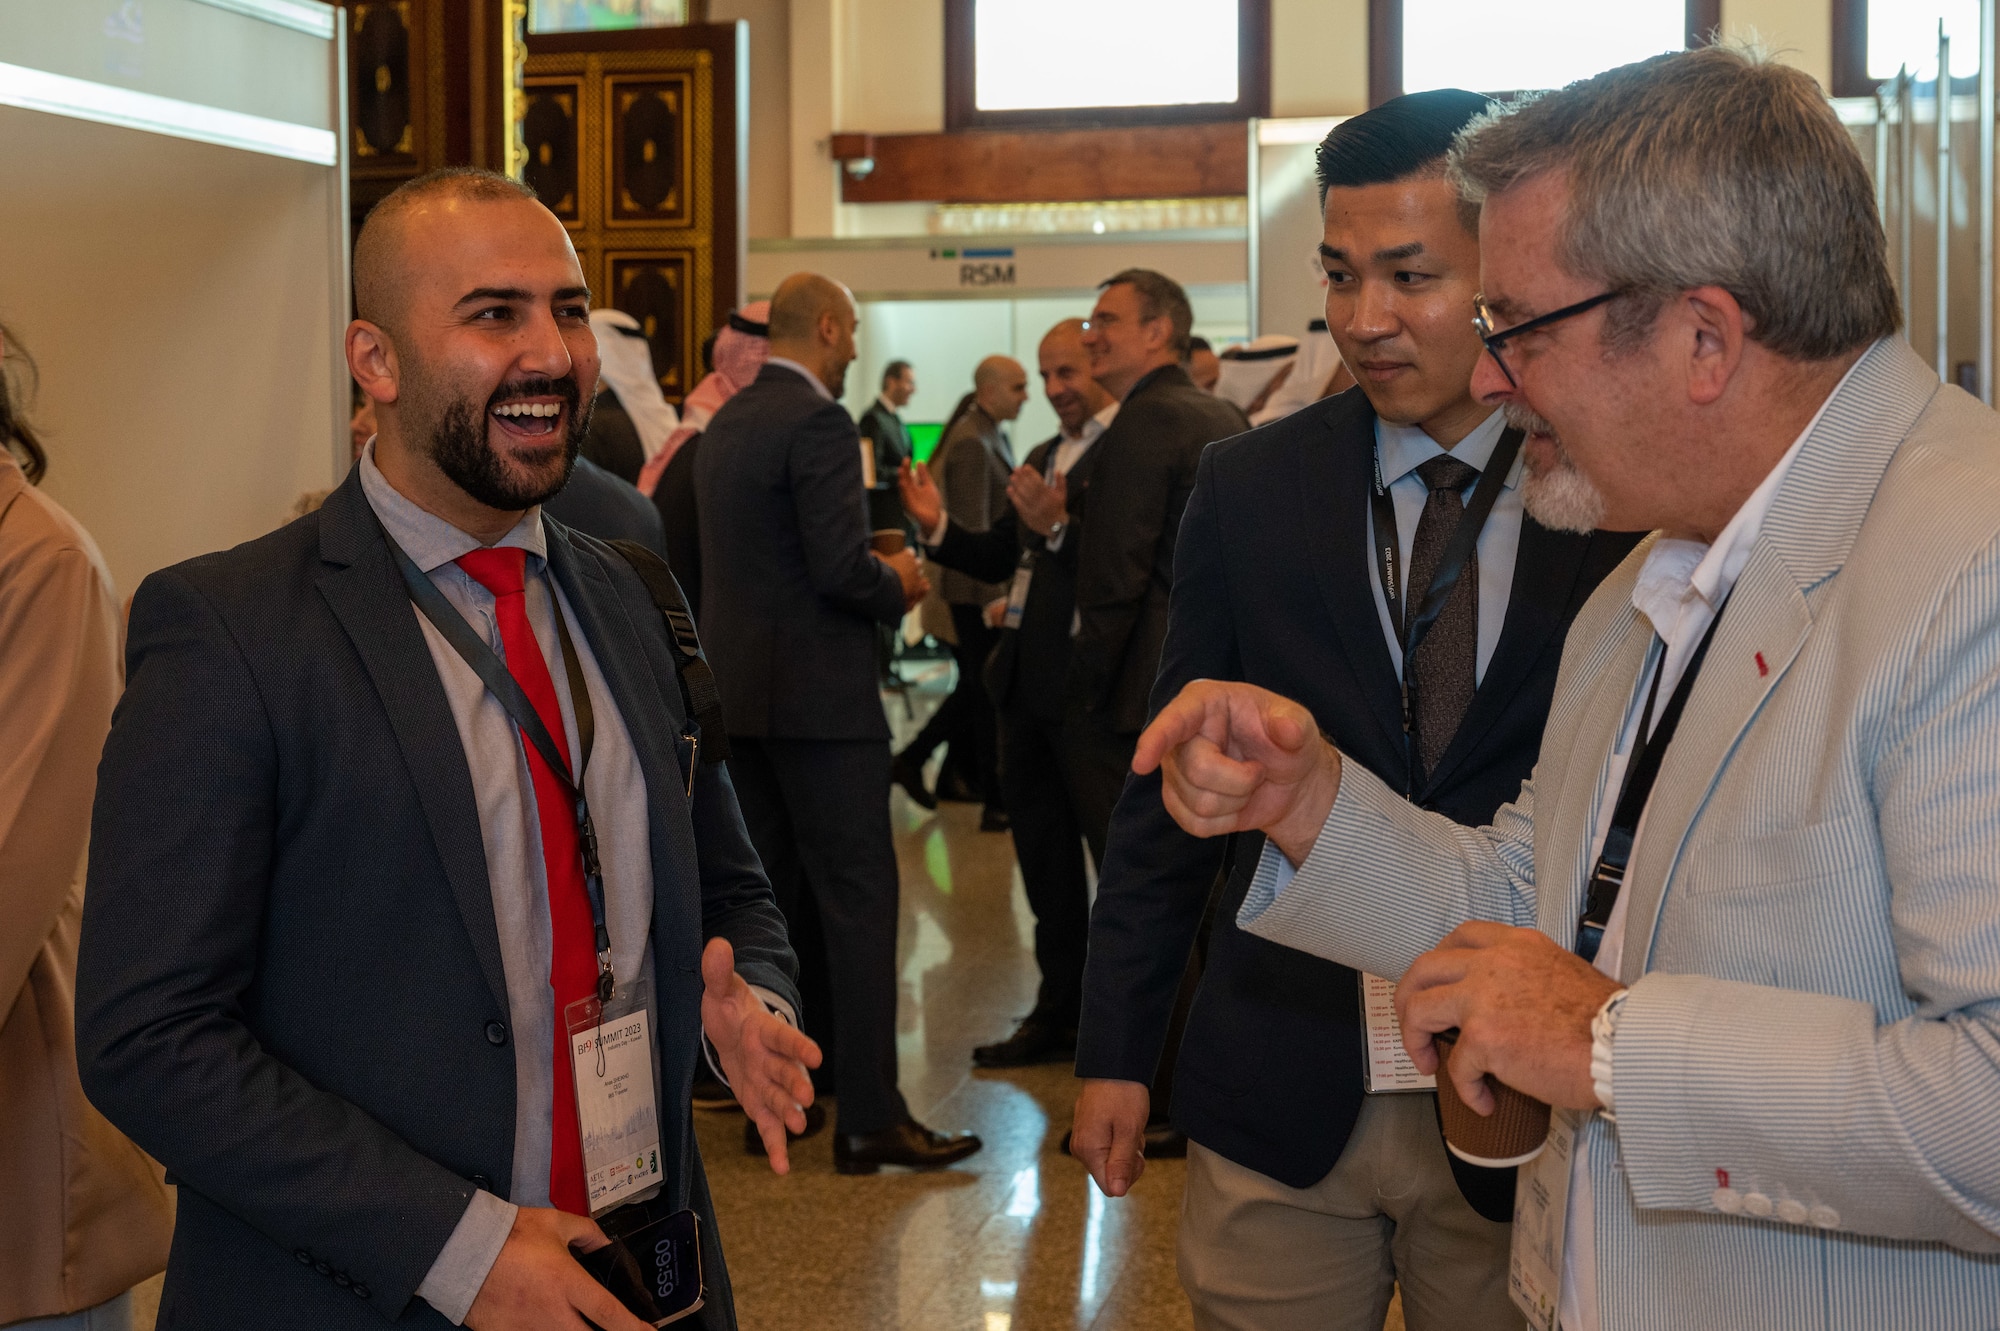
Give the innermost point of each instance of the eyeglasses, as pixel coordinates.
(1482, 320)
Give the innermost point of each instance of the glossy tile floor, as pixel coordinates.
(1014, 1239)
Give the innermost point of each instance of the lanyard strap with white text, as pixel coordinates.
(506, 690)
(1649, 747)
(1413, 617)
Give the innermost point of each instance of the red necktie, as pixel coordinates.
(573, 957)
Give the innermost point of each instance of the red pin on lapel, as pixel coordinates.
(1762, 669)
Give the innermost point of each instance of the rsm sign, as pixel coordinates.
(986, 267)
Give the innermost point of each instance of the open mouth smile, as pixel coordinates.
(536, 419)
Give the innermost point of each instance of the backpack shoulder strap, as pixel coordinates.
(698, 689)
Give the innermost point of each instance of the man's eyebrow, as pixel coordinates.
(1392, 254)
(1329, 253)
(494, 293)
(1506, 309)
(519, 294)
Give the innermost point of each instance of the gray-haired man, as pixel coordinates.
(1777, 1090)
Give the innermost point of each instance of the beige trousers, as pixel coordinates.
(1256, 1255)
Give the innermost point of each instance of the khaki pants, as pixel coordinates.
(1256, 1255)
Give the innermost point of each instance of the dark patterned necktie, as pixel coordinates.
(1443, 674)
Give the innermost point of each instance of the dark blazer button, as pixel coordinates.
(496, 1033)
(340, 1279)
(323, 1268)
(360, 1291)
(305, 1258)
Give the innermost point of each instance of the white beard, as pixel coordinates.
(1562, 497)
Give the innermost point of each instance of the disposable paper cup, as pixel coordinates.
(1513, 1134)
(888, 541)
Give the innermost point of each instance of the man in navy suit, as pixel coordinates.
(791, 595)
(1308, 1199)
(338, 906)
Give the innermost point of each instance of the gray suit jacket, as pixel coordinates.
(973, 464)
(1813, 942)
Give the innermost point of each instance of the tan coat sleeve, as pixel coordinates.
(60, 674)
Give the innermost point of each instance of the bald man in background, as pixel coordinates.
(791, 593)
(337, 908)
(972, 464)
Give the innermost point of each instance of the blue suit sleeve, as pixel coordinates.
(181, 857)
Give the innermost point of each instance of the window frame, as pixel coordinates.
(1385, 43)
(1253, 83)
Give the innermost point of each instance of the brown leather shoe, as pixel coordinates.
(909, 1144)
(753, 1141)
(1035, 1040)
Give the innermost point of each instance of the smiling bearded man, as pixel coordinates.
(393, 796)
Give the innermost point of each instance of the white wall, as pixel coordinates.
(180, 300)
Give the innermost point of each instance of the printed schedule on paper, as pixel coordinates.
(1389, 1066)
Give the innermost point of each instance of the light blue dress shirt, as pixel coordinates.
(1399, 451)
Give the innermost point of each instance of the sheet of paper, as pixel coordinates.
(1389, 1066)
(615, 1110)
(1541, 1210)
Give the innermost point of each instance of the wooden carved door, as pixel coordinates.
(634, 140)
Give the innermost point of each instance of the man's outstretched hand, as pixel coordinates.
(921, 499)
(764, 1057)
(1237, 758)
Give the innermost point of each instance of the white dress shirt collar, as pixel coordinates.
(1683, 583)
(799, 369)
(428, 539)
(1401, 449)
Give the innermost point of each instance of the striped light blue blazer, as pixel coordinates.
(1813, 943)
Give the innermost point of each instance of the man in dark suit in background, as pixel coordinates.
(792, 594)
(1125, 524)
(889, 439)
(1306, 1199)
(973, 464)
(1028, 678)
(337, 907)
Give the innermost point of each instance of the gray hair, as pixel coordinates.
(1160, 297)
(1711, 167)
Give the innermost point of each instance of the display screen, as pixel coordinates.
(604, 15)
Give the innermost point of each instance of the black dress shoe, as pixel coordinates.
(1035, 1040)
(993, 820)
(907, 771)
(909, 1144)
(753, 1141)
(954, 787)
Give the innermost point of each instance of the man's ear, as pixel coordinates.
(371, 359)
(1713, 330)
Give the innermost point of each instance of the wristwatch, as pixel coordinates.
(1056, 530)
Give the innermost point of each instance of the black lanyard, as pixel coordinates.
(1413, 628)
(1642, 768)
(506, 690)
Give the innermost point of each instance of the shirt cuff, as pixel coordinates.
(1054, 543)
(772, 1002)
(455, 1278)
(1603, 1030)
(936, 534)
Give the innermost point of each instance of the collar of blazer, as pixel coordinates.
(1334, 475)
(1806, 537)
(365, 592)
